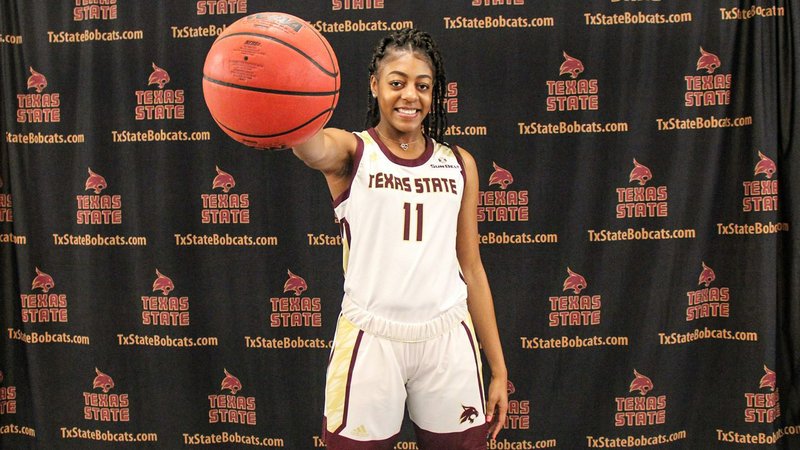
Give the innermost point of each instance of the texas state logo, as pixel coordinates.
(43, 304)
(708, 301)
(8, 397)
(161, 307)
(572, 92)
(710, 87)
(96, 207)
(295, 309)
(36, 105)
(216, 7)
(763, 405)
(103, 405)
(641, 200)
(499, 203)
(159, 102)
(641, 407)
(761, 193)
(230, 406)
(94, 10)
(6, 206)
(224, 206)
(518, 413)
(575, 308)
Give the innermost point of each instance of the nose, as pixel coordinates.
(409, 93)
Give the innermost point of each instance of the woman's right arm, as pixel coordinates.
(328, 151)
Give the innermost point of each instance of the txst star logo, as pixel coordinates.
(761, 195)
(642, 409)
(46, 306)
(296, 311)
(572, 94)
(763, 407)
(98, 209)
(641, 200)
(36, 81)
(710, 89)
(231, 407)
(8, 398)
(38, 106)
(104, 406)
(708, 301)
(164, 309)
(468, 413)
(503, 205)
(159, 103)
(225, 207)
(574, 310)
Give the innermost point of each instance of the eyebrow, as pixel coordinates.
(403, 74)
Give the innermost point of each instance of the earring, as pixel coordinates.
(374, 95)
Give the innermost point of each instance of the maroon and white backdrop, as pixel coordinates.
(166, 287)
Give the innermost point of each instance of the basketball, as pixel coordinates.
(270, 80)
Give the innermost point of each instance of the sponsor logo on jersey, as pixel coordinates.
(8, 398)
(761, 193)
(94, 10)
(763, 406)
(640, 408)
(708, 88)
(708, 301)
(217, 7)
(105, 406)
(164, 309)
(574, 308)
(229, 407)
(640, 200)
(224, 206)
(38, 106)
(97, 208)
(573, 93)
(296, 309)
(159, 103)
(43, 306)
(502, 204)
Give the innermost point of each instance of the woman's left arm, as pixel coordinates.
(479, 297)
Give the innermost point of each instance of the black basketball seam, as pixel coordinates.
(272, 38)
(271, 135)
(331, 56)
(269, 91)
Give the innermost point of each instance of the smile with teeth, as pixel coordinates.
(407, 111)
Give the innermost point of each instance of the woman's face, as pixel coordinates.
(403, 86)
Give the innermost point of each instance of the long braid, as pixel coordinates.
(435, 122)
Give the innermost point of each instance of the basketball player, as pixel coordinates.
(414, 281)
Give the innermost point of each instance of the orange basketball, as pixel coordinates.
(270, 80)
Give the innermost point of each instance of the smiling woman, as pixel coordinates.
(414, 280)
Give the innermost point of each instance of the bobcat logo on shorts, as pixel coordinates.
(469, 413)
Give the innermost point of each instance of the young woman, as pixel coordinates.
(414, 281)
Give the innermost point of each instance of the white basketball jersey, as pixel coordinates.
(399, 219)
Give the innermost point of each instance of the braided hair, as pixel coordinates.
(420, 43)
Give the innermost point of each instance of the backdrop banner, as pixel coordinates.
(163, 286)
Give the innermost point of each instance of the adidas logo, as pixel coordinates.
(360, 431)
